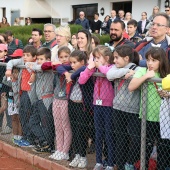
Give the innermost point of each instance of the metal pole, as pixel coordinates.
(143, 125)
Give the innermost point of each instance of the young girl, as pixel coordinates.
(125, 107)
(78, 115)
(60, 110)
(102, 101)
(157, 66)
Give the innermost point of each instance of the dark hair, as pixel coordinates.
(44, 51)
(96, 13)
(30, 49)
(104, 51)
(106, 17)
(120, 22)
(159, 54)
(4, 36)
(27, 19)
(96, 39)
(88, 36)
(126, 50)
(38, 30)
(8, 33)
(162, 14)
(64, 49)
(79, 55)
(6, 19)
(133, 22)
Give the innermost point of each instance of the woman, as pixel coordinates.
(154, 12)
(4, 23)
(128, 17)
(142, 25)
(63, 36)
(74, 40)
(28, 21)
(17, 22)
(104, 25)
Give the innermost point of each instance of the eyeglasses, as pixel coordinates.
(157, 24)
(47, 31)
(166, 10)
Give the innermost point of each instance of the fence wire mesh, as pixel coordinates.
(109, 126)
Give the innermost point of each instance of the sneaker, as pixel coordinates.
(98, 166)
(129, 167)
(6, 130)
(54, 154)
(104, 163)
(109, 168)
(15, 141)
(43, 147)
(75, 161)
(23, 143)
(61, 156)
(83, 162)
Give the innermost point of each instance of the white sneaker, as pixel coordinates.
(75, 161)
(54, 154)
(83, 162)
(62, 156)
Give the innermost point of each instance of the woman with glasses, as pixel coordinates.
(141, 28)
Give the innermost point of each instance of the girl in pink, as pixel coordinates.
(103, 103)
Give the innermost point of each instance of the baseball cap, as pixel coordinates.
(3, 47)
(17, 53)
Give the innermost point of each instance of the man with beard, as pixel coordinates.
(158, 37)
(117, 29)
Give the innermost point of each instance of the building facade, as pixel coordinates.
(56, 11)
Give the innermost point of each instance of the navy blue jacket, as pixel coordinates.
(84, 23)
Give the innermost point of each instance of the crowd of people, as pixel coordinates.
(55, 104)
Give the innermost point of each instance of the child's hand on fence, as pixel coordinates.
(29, 65)
(32, 78)
(91, 63)
(8, 73)
(129, 74)
(68, 77)
(150, 74)
(163, 93)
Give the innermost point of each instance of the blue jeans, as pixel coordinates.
(104, 127)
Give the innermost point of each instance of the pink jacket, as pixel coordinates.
(103, 88)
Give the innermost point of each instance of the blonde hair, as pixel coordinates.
(64, 31)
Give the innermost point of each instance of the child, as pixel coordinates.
(102, 100)
(78, 116)
(3, 91)
(157, 66)
(27, 91)
(41, 121)
(13, 97)
(126, 107)
(60, 108)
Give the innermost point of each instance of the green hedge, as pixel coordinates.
(24, 32)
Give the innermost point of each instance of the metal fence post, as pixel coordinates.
(143, 126)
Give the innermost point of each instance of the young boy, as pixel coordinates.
(27, 92)
(131, 29)
(13, 97)
(41, 121)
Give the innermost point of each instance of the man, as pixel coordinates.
(50, 36)
(158, 30)
(112, 18)
(13, 43)
(36, 38)
(167, 10)
(96, 24)
(121, 14)
(131, 29)
(82, 21)
(117, 29)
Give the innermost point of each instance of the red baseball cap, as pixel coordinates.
(17, 53)
(3, 47)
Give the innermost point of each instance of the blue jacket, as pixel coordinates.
(84, 23)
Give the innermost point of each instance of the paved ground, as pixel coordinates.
(9, 163)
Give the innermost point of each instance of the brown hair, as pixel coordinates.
(64, 49)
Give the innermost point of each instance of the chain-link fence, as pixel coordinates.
(83, 123)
